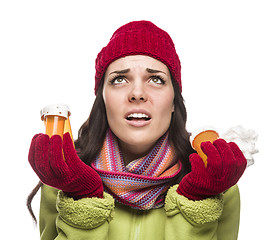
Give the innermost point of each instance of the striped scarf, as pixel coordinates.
(143, 183)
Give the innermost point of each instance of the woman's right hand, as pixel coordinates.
(65, 172)
(225, 165)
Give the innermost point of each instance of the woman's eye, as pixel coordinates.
(157, 80)
(118, 80)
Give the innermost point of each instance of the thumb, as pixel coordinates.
(32, 150)
(197, 163)
(69, 151)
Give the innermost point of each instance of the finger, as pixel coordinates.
(71, 157)
(237, 152)
(228, 157)
(239, 157)
(41, 156)
(57, 163)
(214, 163)
(31, 154)
(239, 163)
(225, 151)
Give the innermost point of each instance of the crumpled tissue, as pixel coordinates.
(245, 139)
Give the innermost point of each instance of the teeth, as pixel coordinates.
(138, 115)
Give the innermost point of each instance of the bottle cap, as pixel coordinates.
(55, 110)
(200, 130)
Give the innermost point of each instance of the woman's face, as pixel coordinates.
(139, 100)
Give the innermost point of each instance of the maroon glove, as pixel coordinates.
(225, 165)
(71, 175)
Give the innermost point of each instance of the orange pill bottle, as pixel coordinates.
(204, 134)
(56, 119)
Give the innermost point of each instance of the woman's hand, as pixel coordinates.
(225, 165)
(63, 171)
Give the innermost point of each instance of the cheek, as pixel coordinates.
(108, 99)
(113, 104)
(164, 110)
(165, 105)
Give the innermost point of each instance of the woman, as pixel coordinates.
(135, 175)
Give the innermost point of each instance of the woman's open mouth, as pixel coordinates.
(138, 119)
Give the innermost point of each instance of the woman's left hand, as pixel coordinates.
(57, 164)
(225, 165)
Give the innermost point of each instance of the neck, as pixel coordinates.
(131, 153)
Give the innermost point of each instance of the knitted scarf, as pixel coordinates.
(143, 183)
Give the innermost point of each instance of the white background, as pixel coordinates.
(229, 56)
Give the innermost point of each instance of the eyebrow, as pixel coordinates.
(121, 71)
(149, 70)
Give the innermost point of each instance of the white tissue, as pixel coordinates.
(245, 139)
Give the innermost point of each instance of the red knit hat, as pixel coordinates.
(139, 38)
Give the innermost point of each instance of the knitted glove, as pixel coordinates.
(225, 165)
(72, 176)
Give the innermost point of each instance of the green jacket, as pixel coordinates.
(103, 219)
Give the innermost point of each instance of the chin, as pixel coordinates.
(140, 138)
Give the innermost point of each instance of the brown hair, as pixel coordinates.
(92, 133)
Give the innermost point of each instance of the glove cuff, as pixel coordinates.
(97, 193)
(196, 212)
(86, 213)
(181, 191)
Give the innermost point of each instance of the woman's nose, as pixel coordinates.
(137, 92)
